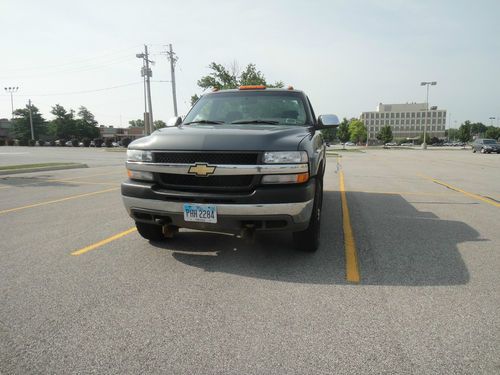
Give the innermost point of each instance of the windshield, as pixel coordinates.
(489, 141)
(250, 107)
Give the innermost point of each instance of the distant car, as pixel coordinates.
(69, 144)
(391, 144)
(92, 144)
(80, 144)
(115, 144)
(349, 144)
(486, 146)
(407, 144)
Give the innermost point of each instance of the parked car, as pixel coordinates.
(391, 144)
(115, 144)
(349, 144)
(92, 144)
(485, 146)
(69, 144)
(407, 144)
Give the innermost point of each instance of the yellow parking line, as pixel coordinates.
(472, 195)
(103, 242)
(56, 201)
(351, 257)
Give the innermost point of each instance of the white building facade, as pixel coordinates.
(406, 120)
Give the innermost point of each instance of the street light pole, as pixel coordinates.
(431, 83)
(31, 121)
(147, 74)
(11, 91)
(491, 120)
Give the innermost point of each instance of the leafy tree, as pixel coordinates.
(492, 132)
(478, 128)
(451, 133)
(464, 132)
(357, 131)
(329, 134)
(385, 134)
(343, 131)
(21, 123)
(63, 126)
(136, 123)
(86, 125)
(223, 77)
(158, 124)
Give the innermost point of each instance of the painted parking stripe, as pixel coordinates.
(56, 201)
(351, 256)
(96, 245)
(458, 190)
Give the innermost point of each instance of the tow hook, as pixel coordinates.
(169, 231)
(248, 233)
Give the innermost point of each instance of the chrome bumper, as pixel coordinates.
(300, 212)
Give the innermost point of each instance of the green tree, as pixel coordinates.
(343, 131)
(63, 125)
(464, 132)
(478, 128)
(385, 134)
(452, 134)
(492, 132)
(222, 77)
(329, 134)
(86, 124)
(21, 123)
(158, 124)
(136, 123)
(357, 131)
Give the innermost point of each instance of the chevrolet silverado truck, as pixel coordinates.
(243, 160)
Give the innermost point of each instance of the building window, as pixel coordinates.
(413, 121)
(413, 115)
(407, 122)
(418, 121)
(433, 114)
(440, 114)
(397, 115)
(433, 121)
(392, 122)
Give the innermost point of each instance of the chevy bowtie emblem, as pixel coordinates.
(201, 170)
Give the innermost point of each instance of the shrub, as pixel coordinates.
(2, 142)
(126, 142)
(31, 142)
(109, 142)
(86, 142)
(23, 142)
(41, 142)
(52, 143)
(10, 142)
(74, 142)
(98, 142)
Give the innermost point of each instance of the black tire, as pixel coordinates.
(150, 232)
(473, 150)
(308, 240)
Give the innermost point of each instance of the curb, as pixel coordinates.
(42, 169)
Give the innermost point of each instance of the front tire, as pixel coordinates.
(308, 239)
(483, 151)
(150, 232)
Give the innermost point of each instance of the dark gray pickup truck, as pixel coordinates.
(241, 161)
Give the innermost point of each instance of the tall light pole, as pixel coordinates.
(173, 59)
(31, 121)
(432, 83)
(11, 91)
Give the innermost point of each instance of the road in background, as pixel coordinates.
(428, 300)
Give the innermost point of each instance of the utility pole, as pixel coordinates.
(11, 91)
(147, 74)
(173, 59)
(31, 121)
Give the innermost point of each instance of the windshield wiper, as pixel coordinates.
(271, 122)
(204, 122)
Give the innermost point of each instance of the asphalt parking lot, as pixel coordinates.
(81, 292)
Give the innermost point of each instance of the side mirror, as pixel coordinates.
(328, 120)
(174, 121)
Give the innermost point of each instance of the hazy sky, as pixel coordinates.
(346, 55)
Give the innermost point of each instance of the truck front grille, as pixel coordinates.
(210, 183)
(206, 157)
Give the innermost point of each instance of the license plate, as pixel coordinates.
(200, 213)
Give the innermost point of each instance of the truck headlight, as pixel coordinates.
(285, 178)
(139, 155)
(140, 175)
(285, 157)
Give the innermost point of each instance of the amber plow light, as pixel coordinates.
(253, 87)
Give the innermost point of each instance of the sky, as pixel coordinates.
(347, 56)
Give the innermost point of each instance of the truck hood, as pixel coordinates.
(224, 138)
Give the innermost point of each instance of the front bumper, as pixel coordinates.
(272, 208)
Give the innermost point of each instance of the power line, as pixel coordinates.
(75, 62)
(86, 91)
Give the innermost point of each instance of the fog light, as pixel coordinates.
(285, 178)
(140, 175)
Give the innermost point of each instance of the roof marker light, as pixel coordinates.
(252, 87)
(290, 87)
